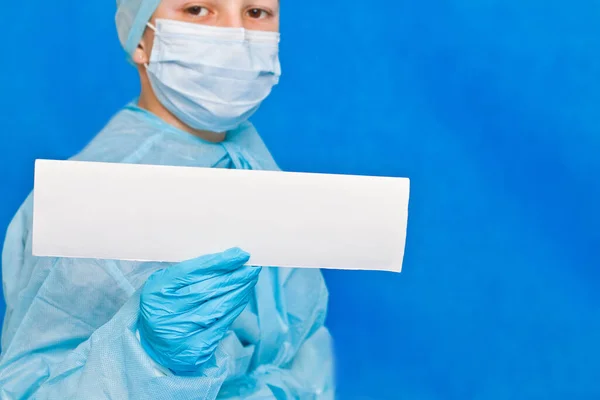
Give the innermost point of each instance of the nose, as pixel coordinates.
(231, 19)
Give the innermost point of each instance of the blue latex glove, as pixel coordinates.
(187, 309)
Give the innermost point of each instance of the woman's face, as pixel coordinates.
(260, 15)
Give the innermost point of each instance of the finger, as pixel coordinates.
(216, 309)
(193, 296)
(192, 271)
(214, 285)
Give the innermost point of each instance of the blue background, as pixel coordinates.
(492, 108)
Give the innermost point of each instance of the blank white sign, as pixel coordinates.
(161, 213)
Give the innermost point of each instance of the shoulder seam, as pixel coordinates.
(135, 156)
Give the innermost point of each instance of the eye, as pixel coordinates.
(257, 13)
(197, 11)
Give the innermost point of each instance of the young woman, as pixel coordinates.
(206, 328)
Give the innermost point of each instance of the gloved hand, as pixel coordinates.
(186, 309)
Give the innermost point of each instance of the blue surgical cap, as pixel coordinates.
(132, 17)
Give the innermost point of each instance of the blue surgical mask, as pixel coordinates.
(212, 78)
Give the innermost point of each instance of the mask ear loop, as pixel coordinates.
(149, 25)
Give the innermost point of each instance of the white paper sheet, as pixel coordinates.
(158, 213)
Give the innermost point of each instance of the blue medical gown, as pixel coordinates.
(70, 325)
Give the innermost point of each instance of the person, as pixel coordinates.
(203, 329)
